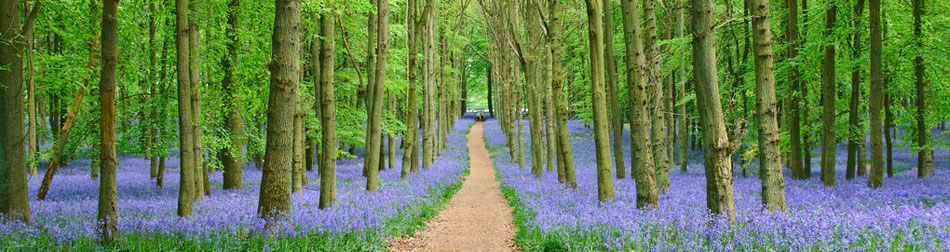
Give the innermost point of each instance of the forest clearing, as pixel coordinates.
(474, 125)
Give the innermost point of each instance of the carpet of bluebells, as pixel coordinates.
(908, 213)
(227, 220)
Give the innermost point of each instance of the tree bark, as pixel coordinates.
(429, 88)
(876, 97)
(374, 130)
(679, 76)
(654, 78)
(641, 158)
(605, 182)
(411, 152)
(232, 155)
(828, 137)
(855, 131)
(794, 121)
(925, 154)
(14, 203)
(716, 149)
(770, 152)
(565, 152)
(194, 62)
(613, 98)
(327, 113)
(186, 193)
(281, 103)
(106, 217)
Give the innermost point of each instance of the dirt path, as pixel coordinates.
(476, 219)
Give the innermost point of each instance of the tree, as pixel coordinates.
(770, 152)
(281, 103)
(605, 182)
(429, 87)
(716, 150)
(14, 203)
(613, 98)
(232, 159)
(202, 186)
(186, 191)
(641, 158)
(794, 79)
(654, 78)
(373, 132)
(876, 97)
(565, 159)
(107, 220)
(679, 76)
(925, 154)
(327, 111)
(856, 131)
(828, 137)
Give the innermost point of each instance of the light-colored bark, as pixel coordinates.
(770, 152)
(275, 192)
(106, 217)
(716, 149)
(186, 191)
(327, 164)
(605, 182)
(641, 154)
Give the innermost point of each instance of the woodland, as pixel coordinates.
(375, 125)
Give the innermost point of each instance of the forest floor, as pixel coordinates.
(476, 219)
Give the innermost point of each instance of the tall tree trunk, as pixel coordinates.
(232, 157)
(150, 111)
(281, 103)
(565, 152)
(855, 131)
(298, 169)
(828, 137)
(31, 140)
(770, 152)
(196, 85)
(186, 193)
(654, 77)
(106, 217)
(679, 76)
(925, 154)
(366, 92)
(374, 130)
(429, 80)
(806, 132)
(14, 203)
(876, 179)
(327, 164)
(531, 67)
(549, 119)
(794, 79)
(411, 139)
(605, 182)
(716, 149)
(888, 113)
(641, 158)
(613, 98)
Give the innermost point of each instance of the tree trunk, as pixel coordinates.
(14, 203)
(828, 137)
(299, 171)
(60, 146)
(641, 158)
(31, 140)
(876, 179)
(565, 153)
(411, 151)
(233, 157)
(716, 152)
(374, 130)
(613, 98)
(284, 68)
(654, 77)
(794, 79)
(605, 182)
(679, 76)
(925, 154)
(327, 164)
(106, 218)
(195, 64)
(428, 51)
(532, 26)
(186, 193)
(549, 121)
(855, 131)
(770, 152)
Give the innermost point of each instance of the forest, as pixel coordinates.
(475, 125)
